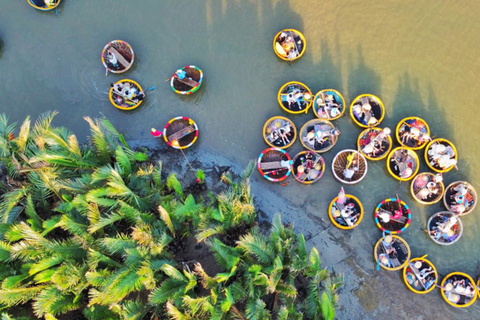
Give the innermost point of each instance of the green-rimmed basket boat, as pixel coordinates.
(190, 84)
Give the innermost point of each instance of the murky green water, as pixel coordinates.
(419, 57)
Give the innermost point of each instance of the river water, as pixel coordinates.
(420, 57)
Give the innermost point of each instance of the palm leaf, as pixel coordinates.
(227, 257)
(328, 311)
(169, 289)
(17, 296)
(173, 183)
(256, 245)
(23, 135)
(174, 313)
(165, 216)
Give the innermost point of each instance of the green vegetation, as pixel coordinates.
(98, 232)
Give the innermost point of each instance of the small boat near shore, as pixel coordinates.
(126, 94)
(328, 104)
(460, 198)
(459, 290)
(186, 80)
(420, 275)
(180, 132)
(427, 188)
(289, 44)
(319, 135)
(274, 164)
(391, 253)
(367, 110)
(402, 163)
(44, 5)
(441, 155)
(308, 167)
(445, 228)
(295, 97)
(349, 166)
(392, 215)
(375, 143)
(279, 132)
(413, 132)
(345, 211)
(117, 56)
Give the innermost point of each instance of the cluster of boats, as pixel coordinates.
(349, 166)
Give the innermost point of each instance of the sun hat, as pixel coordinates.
(417, 264)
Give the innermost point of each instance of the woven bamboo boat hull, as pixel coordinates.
(455, 297)
(358, 165)
(279, 132)
(393, 225)
(411, 275)
(454, 200)
(425, 190)
(124, 53)
(274, 164)
(413, 132)
(440, 237)
(180, 132)
(308, 167)
(397, 260)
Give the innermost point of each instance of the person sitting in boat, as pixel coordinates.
(461, 287)
(288, 46)
(129, 90)
(112, 59)
(180, 74)
(387, 243)
(350, 213)
(43, 3)
(350, 170)
(117, 88)
(284, 133)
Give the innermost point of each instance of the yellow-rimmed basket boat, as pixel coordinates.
(460, 197)
(124, 99)
(392, 256)
(279, 132)
(295, 97)
(441, 155)
(274, 164)
(346, 215)
(375, 143)
(349, 166)
(180, 132)
(413, 132)
(289, 44)
(328, 104)
(444, 228)
(392, 215)
(308, 167)
(319, 135)
(463, 291)
(44, 5)
(367, 110)
(193, 79)
(420, 275)
(117, 56)
(427, 188)
(403, 163)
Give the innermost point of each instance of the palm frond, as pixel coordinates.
(256, 245)
(165, 216)
(227, 257)
(13, 297)
(173, 183)
(23, 135)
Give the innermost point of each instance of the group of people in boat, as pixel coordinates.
(413, 133)
(375, 142)
(427, 188)
(364, 113)
(309, 168)
(45, 3)
(126, 94)
(321, 136)
(280, 133)
(443, 228)
(402, 163)
(390, 251)
(295, 98)
(441, 156)
(460, 198)
(345, 211)
(420, 275)
(328, 107)
(458, 289)
(287, 46)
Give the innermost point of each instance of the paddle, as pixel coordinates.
(106, 71)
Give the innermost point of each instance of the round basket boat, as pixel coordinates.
(180, 132)
(328, 104)
(413, 132)
(393, 255)
(390, 218)
(462, 291)
(126, 94)
(426, 188)
(117, 56)
(319, 135)
(308, 167)
(187, 80)
(367, 110)
(346, 215)
(460, 198)
(375, 143)
(289, 44)
(349, 166)
(420, 275)
(295, 97)
(402, 163)
(44, 5)
(274, 164)
(279, 132)
(441, 155)
(444, 228)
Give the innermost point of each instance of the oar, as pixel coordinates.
(106, 71)
(294, 42)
